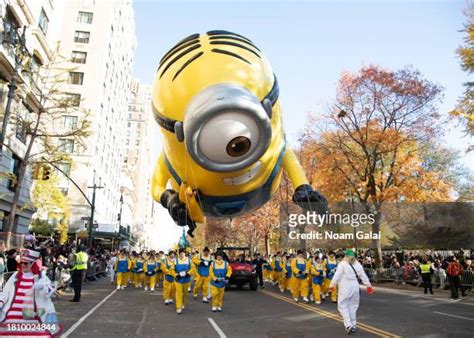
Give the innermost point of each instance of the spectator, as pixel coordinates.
(12, 260)
(3, 262)
(455, 272)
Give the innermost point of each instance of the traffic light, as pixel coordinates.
(46, 172)
(35, 172)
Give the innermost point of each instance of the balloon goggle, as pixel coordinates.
(226, 128)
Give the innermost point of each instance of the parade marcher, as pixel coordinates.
(78, 269)
(130, 275)
(258, 263)
(330, 264)
(426, 271)
(347, 277)
(288, 279)
(167, 266)
(25, 301)
(183, 269)
(159, 258)
(317, 275)
(122, 266)
(277, 269)
(267, 270)
(220, 273)
(138, 271)
(150, 269)
(300, 270)
(202, 262)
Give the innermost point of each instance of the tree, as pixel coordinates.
(369, 149)
(42, 126)
(52, 206)
(465, 107)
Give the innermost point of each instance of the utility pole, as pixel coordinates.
(91, 220)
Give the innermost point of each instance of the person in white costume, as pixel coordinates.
(348, 275)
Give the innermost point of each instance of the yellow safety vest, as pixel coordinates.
(81, 261)
(425, 268)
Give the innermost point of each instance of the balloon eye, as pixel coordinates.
(238, 146)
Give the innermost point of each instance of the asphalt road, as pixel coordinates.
(104, 313)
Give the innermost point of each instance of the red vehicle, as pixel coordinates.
(243, 272)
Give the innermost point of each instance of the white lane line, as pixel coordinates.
(79, 322)
(450, 315)
(413, 294)
(217, 328)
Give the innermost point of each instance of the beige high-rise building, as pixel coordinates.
(141, 135)
(99, 38)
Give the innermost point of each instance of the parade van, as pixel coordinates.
(243, 272)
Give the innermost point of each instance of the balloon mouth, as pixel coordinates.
(226, 128)
(245, 177)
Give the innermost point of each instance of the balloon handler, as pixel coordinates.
(203, 263)
(26, 300)
(300, 269)
(216, 100)
(167, 266)
(330, 267)
(151, 269)
(220, 273)
(183, 269)
(348, 276)
(122, 266)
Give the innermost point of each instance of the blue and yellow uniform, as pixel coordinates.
(138, 274)
(277, 269)
(317, 275)
(122, 266)
(267, 271)
(167, 266)
(183, 269)
(300, 270)
(203, 264)
(150, 269)
(330, 265)
(288, 280)
(220, 272)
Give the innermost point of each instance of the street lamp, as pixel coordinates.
(12, 39)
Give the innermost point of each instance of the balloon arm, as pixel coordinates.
(160, 178)
(188, 197)
(293, 168)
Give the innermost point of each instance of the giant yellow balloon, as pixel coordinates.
(216, 100)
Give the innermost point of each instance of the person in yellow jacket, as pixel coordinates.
(159, 258)
(121, 267)
(220, 273)
(150, 269)
(317, 276)
(277, 267)
(330, 266)
(138, 271)
(130, 273)
(267, 269)
(202, 263)
(183, 269)
(300, 269)
(167, 266)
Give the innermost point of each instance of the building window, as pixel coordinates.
(69, 122)
(82, 37)
(73, 99)
(43, 22)
(15, 164)
(84, 17)
(78, 57)
(76, 78)
(66, 145)
(65, 167)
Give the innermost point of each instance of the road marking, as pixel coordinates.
(450, 315)
(414, 294)
(142, 322)
(217, 328)
(331, 315)
(79, 322)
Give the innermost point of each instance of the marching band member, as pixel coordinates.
(300, 270)
(330, 269)
(122, 266)
(220, 272)
(183, 269)
(150, 270)
(167, 266)
(317, 274)
(347, 277)
(202, 262)
(138, 275)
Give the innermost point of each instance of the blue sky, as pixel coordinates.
(310, 43)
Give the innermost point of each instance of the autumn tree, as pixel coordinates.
(465, 107)
(370, 145)
(42, 126)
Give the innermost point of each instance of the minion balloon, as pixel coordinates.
(216, 100)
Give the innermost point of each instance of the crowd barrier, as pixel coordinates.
(412, 276)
